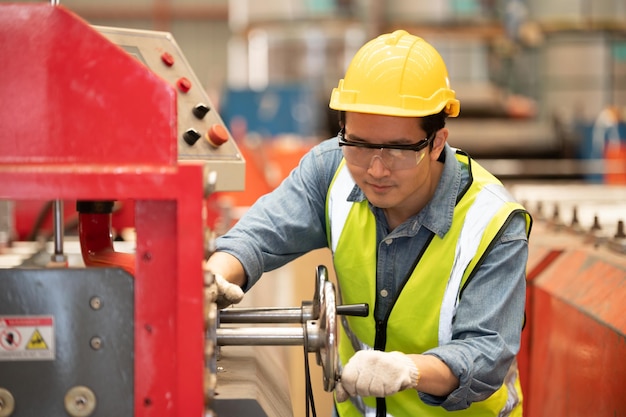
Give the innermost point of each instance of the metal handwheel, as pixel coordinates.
(318, 330)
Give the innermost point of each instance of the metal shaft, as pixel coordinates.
(266, 315)
(260, 336)
(58, 227)
(269, 336)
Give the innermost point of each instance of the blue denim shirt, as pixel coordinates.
(290, 222)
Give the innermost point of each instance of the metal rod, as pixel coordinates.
(58, 227)
(266, 315)
(54, 2)
(260, 336)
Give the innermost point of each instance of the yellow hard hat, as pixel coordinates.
(396, 74)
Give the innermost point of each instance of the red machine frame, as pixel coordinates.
(82, 120)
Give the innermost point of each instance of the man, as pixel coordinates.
(417, 229)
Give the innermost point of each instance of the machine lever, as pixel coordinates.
(359, 310)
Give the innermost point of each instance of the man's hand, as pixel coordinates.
(372, 373)
(227, 293)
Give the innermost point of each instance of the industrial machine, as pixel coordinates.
(86, 121)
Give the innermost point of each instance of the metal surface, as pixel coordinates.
(64, 295)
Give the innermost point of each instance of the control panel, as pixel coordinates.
(202, 134)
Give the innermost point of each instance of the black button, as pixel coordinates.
(200, 110)
(191, 136)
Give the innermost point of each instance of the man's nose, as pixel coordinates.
(378, 165)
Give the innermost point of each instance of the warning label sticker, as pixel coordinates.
(26, 338)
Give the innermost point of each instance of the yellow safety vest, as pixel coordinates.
(425, 303)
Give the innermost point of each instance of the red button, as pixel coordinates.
(183, 84)
(167, 59)
(217, 135)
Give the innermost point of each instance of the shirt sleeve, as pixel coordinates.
(289, 221)
(486, 331)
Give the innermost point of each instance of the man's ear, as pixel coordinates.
(438, 143)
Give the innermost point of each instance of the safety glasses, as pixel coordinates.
(394, 157)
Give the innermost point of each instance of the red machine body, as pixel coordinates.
(72, 97)
(83, 120)
(592, 321)
(571, 358)
(576, 337)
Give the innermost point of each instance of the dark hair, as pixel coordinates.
(429, 124)
(433, 123)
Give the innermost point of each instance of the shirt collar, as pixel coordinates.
(437, 215)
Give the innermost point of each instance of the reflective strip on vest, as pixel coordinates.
(338, 204)
(478, 217)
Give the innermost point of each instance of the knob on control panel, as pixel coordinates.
(167, 59)
(191, 136)
(217, 135)
(200, 110)
(183, 84)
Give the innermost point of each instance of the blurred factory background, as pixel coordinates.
(534, 76)
(542, 85)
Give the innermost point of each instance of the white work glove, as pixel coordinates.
(373, 373)
(227, 293)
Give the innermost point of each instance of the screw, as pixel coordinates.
(95, 303)
(7, 403)
(95, 343)
(80, 402)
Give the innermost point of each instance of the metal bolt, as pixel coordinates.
(95, 303)
(95, 343)
(80, 401)
(7, 403)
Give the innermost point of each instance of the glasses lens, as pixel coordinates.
(394, 159)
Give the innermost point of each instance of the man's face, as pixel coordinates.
(404, 190)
